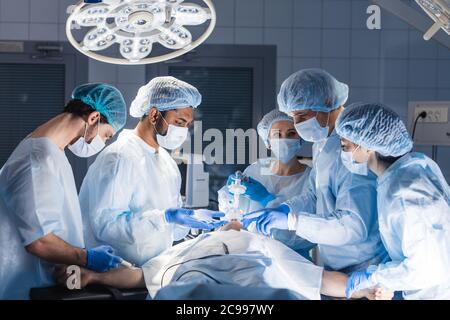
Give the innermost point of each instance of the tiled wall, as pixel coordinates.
(393, 65)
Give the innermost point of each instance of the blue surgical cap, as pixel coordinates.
(165, 93)
(312, 89)
(268, 120)
(374, 127)
(105, 99)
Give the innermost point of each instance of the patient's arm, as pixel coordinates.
(121, 278)
(334, 284)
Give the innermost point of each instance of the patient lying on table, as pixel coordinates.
(228, 263)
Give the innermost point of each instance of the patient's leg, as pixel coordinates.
(121, 278)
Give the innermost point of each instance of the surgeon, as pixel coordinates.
(338, 209)
(279, 178)
(40, 218)
(413, 204)
(130, 197)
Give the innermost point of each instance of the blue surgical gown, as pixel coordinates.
(338, 211)
(414, 218)
(38, 196)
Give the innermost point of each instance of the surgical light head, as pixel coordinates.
(136, 26)
(439, 11)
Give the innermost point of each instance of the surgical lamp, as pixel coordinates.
(439, 11)
(136, 25)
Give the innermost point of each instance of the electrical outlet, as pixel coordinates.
(434, 114)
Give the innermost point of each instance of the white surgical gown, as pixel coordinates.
(282, 187)
(38, 196)
(338, 211)
(124, 197)
(414, 218)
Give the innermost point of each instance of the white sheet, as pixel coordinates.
(234, 258)
(210, 291)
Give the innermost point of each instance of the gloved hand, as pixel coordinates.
(196, 219)
(207, 215)
(102, 258)
(269, 218)
(255, 190)
(358, 281)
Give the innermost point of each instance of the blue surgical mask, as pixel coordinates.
(311, 130)
(352, 165)
(285, 149)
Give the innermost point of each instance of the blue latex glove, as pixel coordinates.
(255, 190)
(358, 281)
(267, 219)
(196, 219)
(102, 258)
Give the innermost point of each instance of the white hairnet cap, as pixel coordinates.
(164, 93)
(268, 120)
(375, 127)
(312, 89)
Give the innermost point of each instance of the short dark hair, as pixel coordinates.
(81, 109)
(163, 113)
(386, 159)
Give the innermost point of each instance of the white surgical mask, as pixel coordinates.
(174, 137)
(83, 149)
(311, 130)
(285, 149)
(352, 165)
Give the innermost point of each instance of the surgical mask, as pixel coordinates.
(83, 149)
(352, 165)
(311, 130)
(285, 149)
(174, 137)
